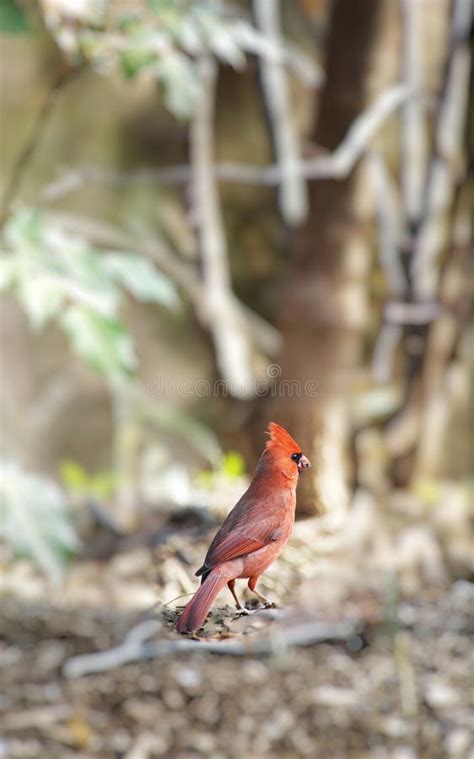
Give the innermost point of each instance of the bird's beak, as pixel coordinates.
(303, 463)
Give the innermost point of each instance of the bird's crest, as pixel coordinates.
(280, 438)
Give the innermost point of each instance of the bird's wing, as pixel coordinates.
(242, 540)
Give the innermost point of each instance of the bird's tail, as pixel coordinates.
(196, 610)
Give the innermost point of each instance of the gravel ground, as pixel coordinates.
(406, 693)
(398, 686)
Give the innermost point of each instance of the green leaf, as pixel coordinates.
(133, 60)
(12, 18)
(178, 77)
(24, 227)
(221, 39)
(41, 299)
(189, 36)
(103, 342)
(73, 476)
(129, 22)
(166, 7)
(35, 519)
(77, 480)
(143, 280)
(7, 271)
(233, 465)
(56, 275)
(51, 267)
(103, 485)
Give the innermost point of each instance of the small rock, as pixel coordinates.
(404, 752)
(189, 679)
(457, 742)
(439, 694)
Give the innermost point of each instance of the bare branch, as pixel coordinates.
(412, 313)
(447, 163)
(387, 211)
(445, 174)
(293, 195)
(72, 180)
(413, 138)
(336, 165)
(281, 52)
(305, 69)
(340, 163)
(384, 351)
(230, 341)
(440, 389)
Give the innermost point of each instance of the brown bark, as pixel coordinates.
(324, 310)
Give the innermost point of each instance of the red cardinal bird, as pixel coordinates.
(256, 530)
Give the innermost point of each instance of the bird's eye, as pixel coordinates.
(296, 457)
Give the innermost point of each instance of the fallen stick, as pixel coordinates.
(137, 647)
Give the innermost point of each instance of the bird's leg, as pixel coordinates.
(260, 596)
(231, 586)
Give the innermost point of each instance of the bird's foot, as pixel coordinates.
(242, 611)
(266, 603)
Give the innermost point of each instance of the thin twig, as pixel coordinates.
(29, 148)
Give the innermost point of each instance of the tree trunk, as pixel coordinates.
(324, 305)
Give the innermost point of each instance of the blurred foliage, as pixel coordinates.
(161, 38)
(58, 276)
(428, 490)
(78, 482)
(231, 467)
(162, 417)
(63, 280)
(34, 518)
(12, 18)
